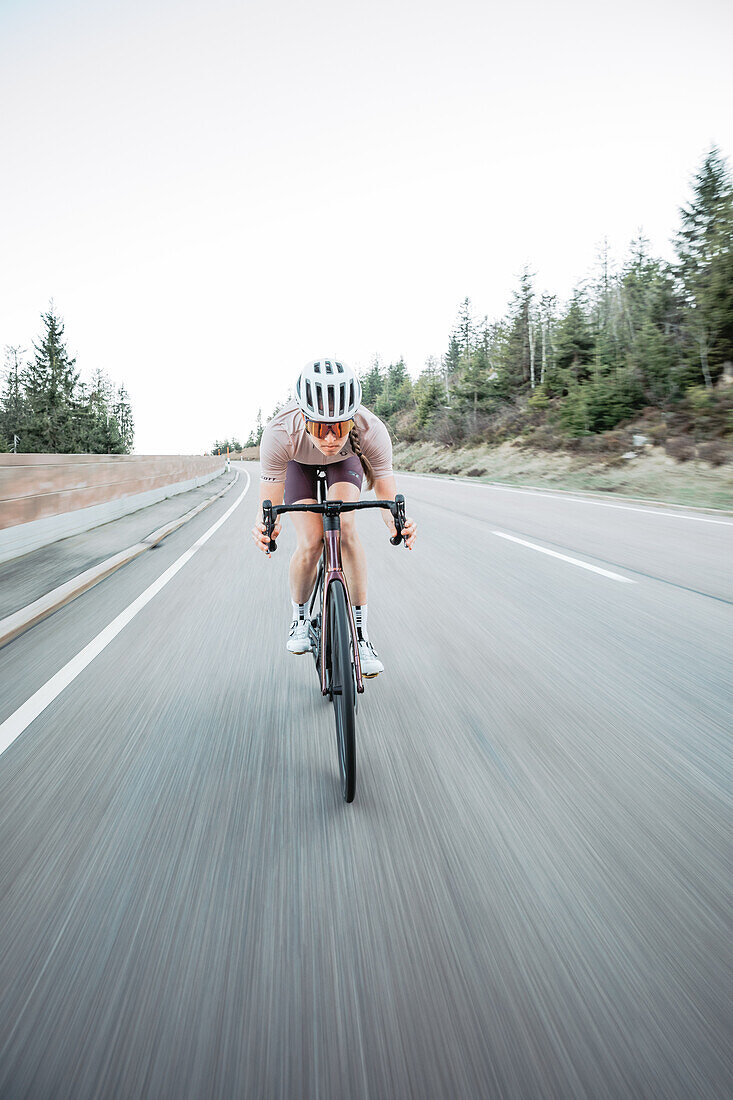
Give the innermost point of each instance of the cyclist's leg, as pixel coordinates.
(300, 488)
(304, 562)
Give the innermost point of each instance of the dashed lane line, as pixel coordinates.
(566, 557)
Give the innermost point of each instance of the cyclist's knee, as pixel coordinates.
(349, 533)
(309, 544)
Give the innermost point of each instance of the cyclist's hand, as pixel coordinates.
(259, 535)
(409, 532)
(409, 529)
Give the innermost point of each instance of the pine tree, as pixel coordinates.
(473, 389)
(254, 437)
(606, 310)
(49, 383)
(96, 437)
(649, 323)
(450, 364)
(574, 342)
(123, 415)
(429, 396)
(396, 392)
(518, 345)
(113, 437)
(547, 324)
(13, 404)
(372, 384)
(465, 331)
(452, 357)
(704, 247)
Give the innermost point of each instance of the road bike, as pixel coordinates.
(332, 628)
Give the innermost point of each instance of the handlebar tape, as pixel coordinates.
(269, 523)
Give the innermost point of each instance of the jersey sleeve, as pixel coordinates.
(274, 455)
(378, 448)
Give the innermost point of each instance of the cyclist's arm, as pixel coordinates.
(274, 491)
(385, 489)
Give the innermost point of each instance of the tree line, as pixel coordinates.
(649, 334)
(46, 408)
(644, 335)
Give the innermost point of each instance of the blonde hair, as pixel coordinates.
(365, 463)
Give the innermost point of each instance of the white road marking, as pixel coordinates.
(13, 726)
(564, 557)
(560, 495)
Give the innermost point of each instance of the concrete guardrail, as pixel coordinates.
(44, 498)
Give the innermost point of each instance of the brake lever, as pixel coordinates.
(398, 514)
(269, 524)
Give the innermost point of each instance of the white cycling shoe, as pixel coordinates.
(299, 640)
(370, 663)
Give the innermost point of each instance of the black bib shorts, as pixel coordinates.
(300, 479)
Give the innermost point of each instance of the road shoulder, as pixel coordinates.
(39, 583)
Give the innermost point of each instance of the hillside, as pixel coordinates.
(651, 473)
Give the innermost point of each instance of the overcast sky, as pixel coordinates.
(213, 193)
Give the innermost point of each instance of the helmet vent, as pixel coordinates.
(351, 395)
(329, 366)
(317, 368)
(340, 368)
(331, 400)
(342, 394)
(308, 394)
(319, 397)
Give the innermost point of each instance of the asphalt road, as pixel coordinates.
(531, 894)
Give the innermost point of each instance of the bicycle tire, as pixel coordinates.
(342, 687)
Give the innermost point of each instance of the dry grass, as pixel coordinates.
(653, 475)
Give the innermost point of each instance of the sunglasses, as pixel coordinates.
(320, 430)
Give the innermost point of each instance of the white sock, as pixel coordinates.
(300, 610)
(360, 620)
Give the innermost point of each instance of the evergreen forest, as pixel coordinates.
(645, 340)
(46, 408)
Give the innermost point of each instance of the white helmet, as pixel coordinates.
(328, 390)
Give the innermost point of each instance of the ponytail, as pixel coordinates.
(366, 465)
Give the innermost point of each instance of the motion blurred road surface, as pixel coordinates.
(531, 894)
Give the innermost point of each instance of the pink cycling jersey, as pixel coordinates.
(285, 439)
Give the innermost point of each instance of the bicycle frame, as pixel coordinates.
(333, 570)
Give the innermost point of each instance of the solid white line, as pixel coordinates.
(560, 495)
(564, 557)
(13, 726)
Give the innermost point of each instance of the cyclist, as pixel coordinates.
(325, 426)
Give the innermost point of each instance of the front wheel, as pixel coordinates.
(342, 687)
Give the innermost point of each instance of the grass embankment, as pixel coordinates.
(652, 474)
(681, 455)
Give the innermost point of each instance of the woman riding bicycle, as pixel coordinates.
(326, 427)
